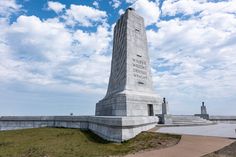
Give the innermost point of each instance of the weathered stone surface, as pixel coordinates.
(112, 128)
(130, 90)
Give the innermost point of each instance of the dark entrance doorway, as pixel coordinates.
(150, 110)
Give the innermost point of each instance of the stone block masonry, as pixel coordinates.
(113, 128)
(130, 91)
(130, 94)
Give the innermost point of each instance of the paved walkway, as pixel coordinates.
(189, 146)
(217, 130)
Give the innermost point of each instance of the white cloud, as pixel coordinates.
(96, 4)
(84, 15)
(115, 3)
(130, 1)
(100, 41)
(92, 70)
(147, 9)
(121, 11)
(29, 54)
(48, 53)
(56, 6)
(8, 7)
(31, 37)
(193, 58)
(172, 7)
(189, 7)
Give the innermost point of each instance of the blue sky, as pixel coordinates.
(55, 55)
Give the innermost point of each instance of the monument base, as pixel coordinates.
(129, 103)
(111, 128)
(119, 129)
(165, 119)
(204, 116)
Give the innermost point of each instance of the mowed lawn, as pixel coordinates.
(61, 142)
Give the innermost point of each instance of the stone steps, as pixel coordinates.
(191, 123)
(188, 120)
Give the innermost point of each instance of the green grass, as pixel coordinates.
(61, 142)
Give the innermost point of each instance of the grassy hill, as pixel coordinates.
(61, 142)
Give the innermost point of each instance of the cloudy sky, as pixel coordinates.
(55, 56)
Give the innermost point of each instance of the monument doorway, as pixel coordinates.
(150, 110)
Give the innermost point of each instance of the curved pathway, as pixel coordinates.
(189, 146)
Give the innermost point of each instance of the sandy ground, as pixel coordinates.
(189, 146)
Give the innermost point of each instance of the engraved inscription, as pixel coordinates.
(139, 69)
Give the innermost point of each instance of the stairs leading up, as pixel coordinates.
(189, 120)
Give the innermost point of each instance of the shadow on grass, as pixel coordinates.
(5, 144)
(94, 138)
(89, 135)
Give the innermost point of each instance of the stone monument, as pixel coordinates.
(204, 113)
(203, 109)
(130, 91)
(165, 118)
(164, 106)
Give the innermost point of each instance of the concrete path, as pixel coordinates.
(189, 146)
(217, 130)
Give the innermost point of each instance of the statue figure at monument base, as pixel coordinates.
(203, 114)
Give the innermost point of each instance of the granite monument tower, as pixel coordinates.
(130, 91)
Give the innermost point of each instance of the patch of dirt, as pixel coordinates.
(228, 151)
(34, 152)
(150, 140)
